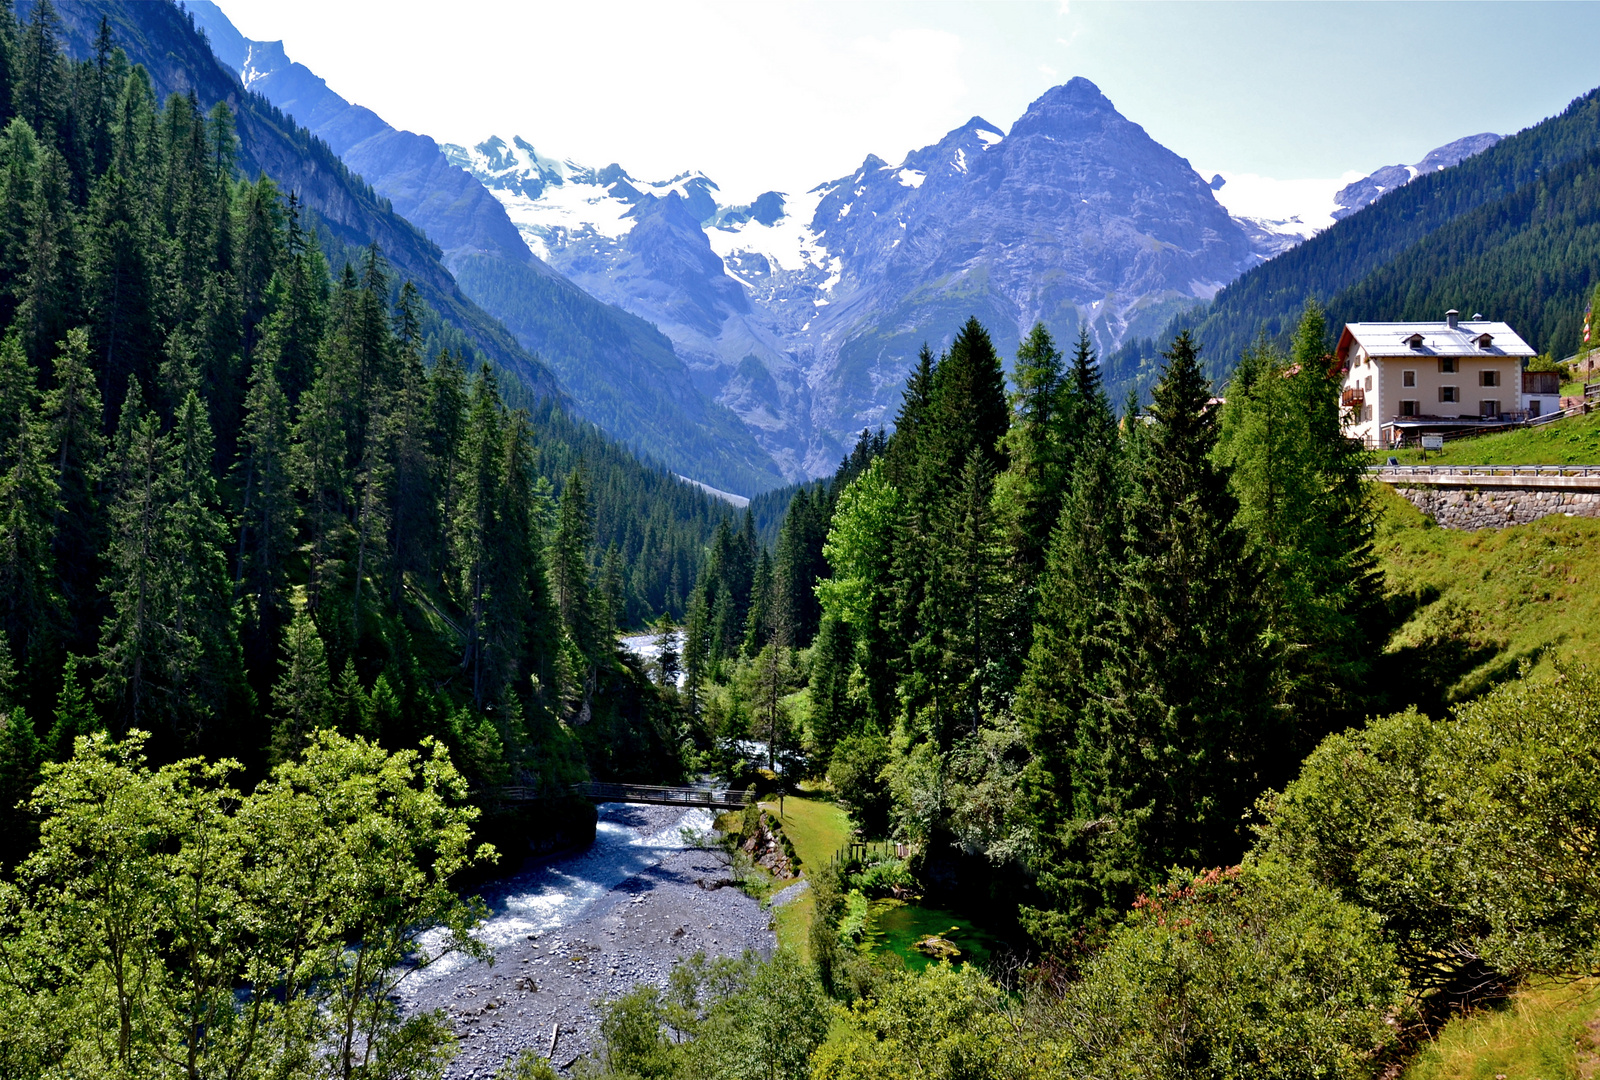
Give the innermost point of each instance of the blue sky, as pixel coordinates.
(786, 95)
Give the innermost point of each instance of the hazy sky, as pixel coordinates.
(786, 95)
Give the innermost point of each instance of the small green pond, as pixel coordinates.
(897, 926)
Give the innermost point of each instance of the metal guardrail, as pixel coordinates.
(726, 798)
(1486, 470)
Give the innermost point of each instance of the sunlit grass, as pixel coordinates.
(1542, 1033)
(1532, 589)
(1573, 441)
(816, 828)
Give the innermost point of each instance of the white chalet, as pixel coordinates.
(1406, 379)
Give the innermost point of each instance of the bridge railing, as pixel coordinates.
(1485, 470)
(670, 796)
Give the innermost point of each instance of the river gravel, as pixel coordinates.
(571, 931)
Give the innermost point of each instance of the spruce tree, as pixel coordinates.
(569, 563)
(1031, 488)
(1304, 500)
(20, 758)
(302, 698)
(132, 637)
(203, 658)
(1183, 735)
(31, 614)
(73, 419)
(38, 94)
(268, 512)
(75, 715)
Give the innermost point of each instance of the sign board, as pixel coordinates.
(1433, 442)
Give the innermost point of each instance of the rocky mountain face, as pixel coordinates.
(179, 60)
(1374, 186)
(618, 370)
(741, 342)
(803, 312)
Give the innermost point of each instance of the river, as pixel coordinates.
(573, 930)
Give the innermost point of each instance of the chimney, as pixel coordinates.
(1451, 316)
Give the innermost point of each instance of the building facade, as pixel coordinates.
(1404, 380)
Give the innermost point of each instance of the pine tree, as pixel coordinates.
(968, 410)
(131, 638)
(38, 94)
(204, 661)
(759, 620)
(48, 292)
(1183, 735)
(8, 61)
(73, 419)
(1031, 489)
(1304, 500)
(267, 515)
(302, 699)
(75, 715)
(569, 564)
(474, 530)
(30, 504)
(118, 275)
(20, 757)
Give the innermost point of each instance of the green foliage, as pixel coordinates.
(731, 1019)
(527, 1066)
(1181, 736)
(856, 774)
(944, 1024)
(1308, 508)
(155, 895)
(1252, 972)
(1469, 838)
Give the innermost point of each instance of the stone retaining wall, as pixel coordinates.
(1495, 507)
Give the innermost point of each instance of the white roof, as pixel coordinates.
(1382, 339)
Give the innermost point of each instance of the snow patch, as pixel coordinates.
(789, 243)
(960, 160)
(1288, 207)
(990, 138)
(911, 178)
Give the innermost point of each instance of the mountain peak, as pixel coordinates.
(1072, 110)
(1076, 92)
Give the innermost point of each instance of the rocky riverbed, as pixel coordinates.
(572, 931)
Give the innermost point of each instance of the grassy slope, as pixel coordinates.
(1531, 591)
(817, 829)
(1573, 441)
(1543, 1033)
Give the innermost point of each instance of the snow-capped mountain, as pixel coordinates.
(618, 370)
(1370, 188)
(1278, 214)
(803, 311)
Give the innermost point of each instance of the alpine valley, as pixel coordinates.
(800, 312)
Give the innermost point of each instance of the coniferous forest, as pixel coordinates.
(306, 612)
(255, 487)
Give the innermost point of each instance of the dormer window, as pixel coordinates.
(1415, 341)
(1485, 340)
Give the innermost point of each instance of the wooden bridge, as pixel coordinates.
(719, 798)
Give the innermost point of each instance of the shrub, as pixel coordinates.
(1472, 839)
(856, 774)
(1251, 972)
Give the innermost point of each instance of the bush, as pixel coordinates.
(1472, 839)
(856, 774)
(1251, 972)
(887, 878)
